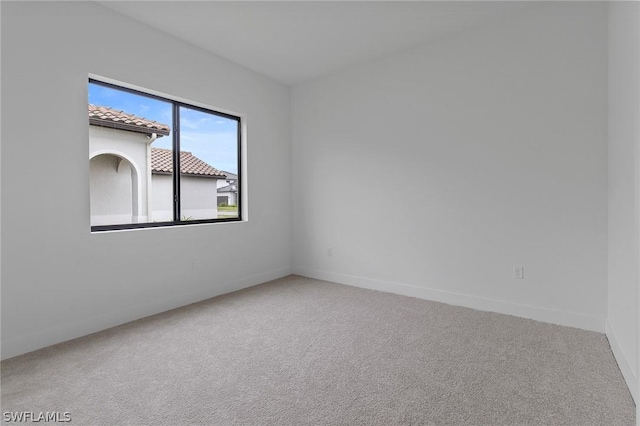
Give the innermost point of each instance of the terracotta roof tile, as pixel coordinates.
(109, 117)
(162, 162)
(161, 159)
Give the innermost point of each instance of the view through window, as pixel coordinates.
(137, 141)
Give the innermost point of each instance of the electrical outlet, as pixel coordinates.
(329, 252)
(518, 272)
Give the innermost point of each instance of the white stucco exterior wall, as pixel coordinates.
(132, 147)
(198, 197)
(111, 190)
(162, 198)
(119, 189)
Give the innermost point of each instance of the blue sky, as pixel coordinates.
(209, 137)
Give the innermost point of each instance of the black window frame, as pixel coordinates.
(175, 129)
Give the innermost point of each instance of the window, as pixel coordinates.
(137, 142)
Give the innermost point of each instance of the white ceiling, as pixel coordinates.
(293, 42)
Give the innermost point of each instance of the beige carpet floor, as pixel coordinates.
(299, 351)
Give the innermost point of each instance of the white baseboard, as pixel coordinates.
(623, 363)
(64, 332)
(480, 303)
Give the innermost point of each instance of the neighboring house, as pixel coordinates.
(131, 182)
(228, 189)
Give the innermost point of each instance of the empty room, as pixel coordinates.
(320, 212)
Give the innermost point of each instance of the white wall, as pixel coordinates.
(60, 281)
(624, 187)
(199, 197)
(133, 147)
(161, 197)
(498, 136)
(112, 181)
